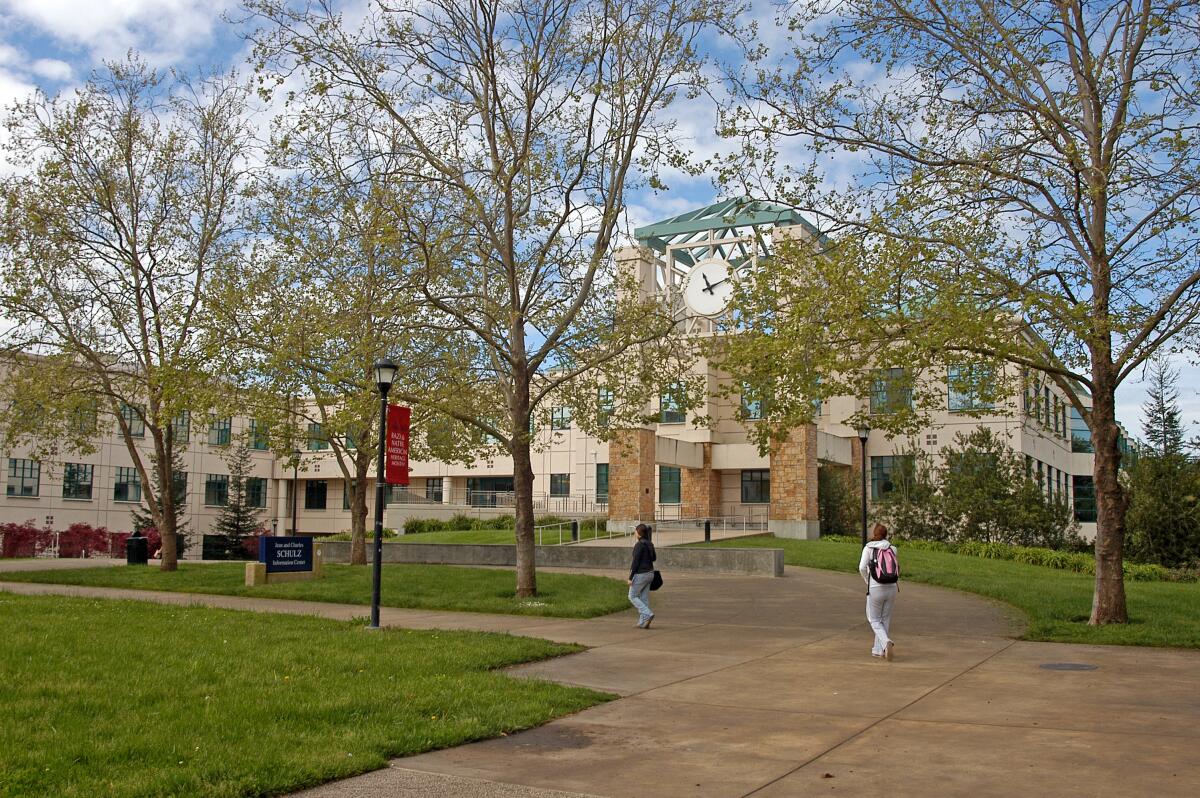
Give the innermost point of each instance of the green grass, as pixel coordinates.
(124, 698)
(1056, 603)
(427, 587)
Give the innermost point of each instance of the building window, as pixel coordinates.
(86, 418)
(601, 482)
(756, 486)
(560, 418)
(433, 489)
(670, 406)
(216, 490)
(256, 491)
(1057, 417)
(77, 481)
(317, 441)
(134, 420)
(259, 439)
(604, 407)
(752, 404)
(890, 392)
(348, 442)
(314, 494)
(888, 472)
(24, 477)
(181, 426)
(180, 478)
(220, 431)
(964, 385)
(560, 484)
(1085, 499)
(128, 485)
(668, 485)
(1045, 409)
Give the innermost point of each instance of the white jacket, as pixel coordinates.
(864, 562)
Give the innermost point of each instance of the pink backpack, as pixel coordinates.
(885, 568)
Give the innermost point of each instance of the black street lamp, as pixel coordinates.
(385, 372)
(863, 433)
(295, 486)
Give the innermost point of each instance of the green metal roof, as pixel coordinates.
(733, 218)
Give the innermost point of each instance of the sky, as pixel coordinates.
(53, 45)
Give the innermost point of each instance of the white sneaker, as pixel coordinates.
(887, 652)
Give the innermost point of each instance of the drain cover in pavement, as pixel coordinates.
(1067, 666)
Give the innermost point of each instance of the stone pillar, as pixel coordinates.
(793, 511)
(701, 489)
(630, 479)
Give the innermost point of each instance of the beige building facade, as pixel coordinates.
(675, 469)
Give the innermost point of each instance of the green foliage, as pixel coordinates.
(255, 705)
(979, 492)
(1163, 522)
(143, 519)
(1160, 411)
(238, 519)
(838, 502)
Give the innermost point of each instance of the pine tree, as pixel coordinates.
(238, 519)
(1160, 413)
(143, 519)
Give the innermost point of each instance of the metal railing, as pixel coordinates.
(679, 531)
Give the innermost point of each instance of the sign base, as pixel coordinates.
(256, 573)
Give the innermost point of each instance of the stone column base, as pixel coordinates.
(800, 530)
(624, 526)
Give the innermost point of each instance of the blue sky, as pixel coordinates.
(54, 44)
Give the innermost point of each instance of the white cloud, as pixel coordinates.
(161, 29)
(52, 69)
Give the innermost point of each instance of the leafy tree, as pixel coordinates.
(331, 298)
(238, 519)
(1022, 187)
(1164, 509)
(1160, 411)
(979, 491)
(519, 128)
(127, 199)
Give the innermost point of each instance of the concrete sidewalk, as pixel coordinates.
(765, 687)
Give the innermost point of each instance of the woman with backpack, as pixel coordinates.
(641, 574)
(880, 569)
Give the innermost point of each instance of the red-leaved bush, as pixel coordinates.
(23, 540)
(83, 540)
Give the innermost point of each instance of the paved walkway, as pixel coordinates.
(765, 687)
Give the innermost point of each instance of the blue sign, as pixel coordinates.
(284, 555)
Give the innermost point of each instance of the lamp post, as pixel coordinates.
(863, 433)
(385, 372)
(295, 486)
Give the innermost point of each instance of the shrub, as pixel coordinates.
(23, 540)
(83, 540)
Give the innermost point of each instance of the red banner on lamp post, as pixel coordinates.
(396, 468)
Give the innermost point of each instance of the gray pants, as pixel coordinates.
(639, 594)
(880, 601)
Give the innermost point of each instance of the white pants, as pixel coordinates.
(880, 601)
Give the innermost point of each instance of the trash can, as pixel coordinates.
(137, 550)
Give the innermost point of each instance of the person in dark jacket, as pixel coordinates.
(641, 573)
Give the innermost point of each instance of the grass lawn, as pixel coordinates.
(1057, 603)
(550, 536)
(427, 587)
(124, 698)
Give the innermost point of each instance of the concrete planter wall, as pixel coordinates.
(755, 562)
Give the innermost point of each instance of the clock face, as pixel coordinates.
(708, 288)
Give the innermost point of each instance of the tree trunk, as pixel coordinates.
(358, 522)
(1108, 601)
(523, 489)
(169, 555)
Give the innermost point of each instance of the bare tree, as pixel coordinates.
(521, 127)
(1018, 167)
(128, 202)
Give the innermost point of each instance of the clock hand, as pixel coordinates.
(714, 285)
(707, 286)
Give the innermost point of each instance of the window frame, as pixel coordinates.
(670, 410)
(756, 486)
(882, 400)
(30, 473)
(220, 431)
(129, 478)
(560, 484)
(604, 492)
(676, 484)
(134, 419)
(311, 494)
(69, 482)
(216, 486)
(882, 473)
(560, 417)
